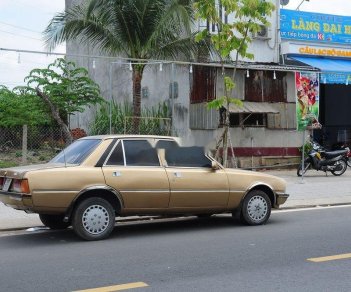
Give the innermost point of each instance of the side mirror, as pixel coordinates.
(215, 165)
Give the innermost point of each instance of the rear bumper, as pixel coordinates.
(16, 201)
(281, 198)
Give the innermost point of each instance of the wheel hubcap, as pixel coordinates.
(95, 219)
(257, 208)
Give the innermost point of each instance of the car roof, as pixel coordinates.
(121, 136)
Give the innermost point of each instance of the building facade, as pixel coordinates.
(263, 130)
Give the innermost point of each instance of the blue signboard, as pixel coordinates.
(316, 27)
(335, 78)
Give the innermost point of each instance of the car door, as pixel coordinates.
(193, 182)
(133, 168)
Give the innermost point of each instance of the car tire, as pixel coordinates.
(307, 165)
(93, 219)
(54, 222)
(256, 208)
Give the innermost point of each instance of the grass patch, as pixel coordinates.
(6, 164)
(12, 158)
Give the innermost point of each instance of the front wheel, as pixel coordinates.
(54, 222)
(339, 167)
(93, 219)
(306, 165)
(256, 208)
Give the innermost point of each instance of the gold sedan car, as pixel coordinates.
(98, 178)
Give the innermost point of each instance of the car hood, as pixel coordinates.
(19, 171)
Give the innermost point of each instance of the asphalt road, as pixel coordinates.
(187, 254)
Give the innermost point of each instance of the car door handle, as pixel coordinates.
(177, 174)
(116, 174)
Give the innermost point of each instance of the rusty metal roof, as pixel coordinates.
(254, 107)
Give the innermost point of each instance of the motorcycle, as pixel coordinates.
(341, 146)
(320, 159)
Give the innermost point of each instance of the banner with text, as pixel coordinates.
(316, 27)
(307, 100)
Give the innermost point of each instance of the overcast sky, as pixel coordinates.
(338, 7)
(21, 25)
(23, 21)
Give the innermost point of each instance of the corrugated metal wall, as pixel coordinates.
(286, 119)
(202, 118)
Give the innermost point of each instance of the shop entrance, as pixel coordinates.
(335, 115)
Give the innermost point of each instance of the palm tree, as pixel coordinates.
(136, 29)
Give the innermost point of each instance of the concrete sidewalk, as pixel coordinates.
(316, 189)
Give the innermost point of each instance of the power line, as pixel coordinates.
(19, 35)
(19, 27)
(152, 61)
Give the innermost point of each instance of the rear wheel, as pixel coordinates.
(94, 219)
(348, 161)
(340, 168)
(306, 166)
(54, 221)
(256, 208)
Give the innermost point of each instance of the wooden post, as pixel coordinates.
(24, 144)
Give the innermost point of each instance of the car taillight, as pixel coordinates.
(20, 186)
(1, 182)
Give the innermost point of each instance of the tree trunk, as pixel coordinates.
(137, 77)
(56, 116)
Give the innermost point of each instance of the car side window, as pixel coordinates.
(166, 144)
(116, 157)
(187, 157)
(140, 153)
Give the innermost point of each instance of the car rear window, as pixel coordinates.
(76, 152)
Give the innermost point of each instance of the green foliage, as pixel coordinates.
(101, 123)
(122, 113)
(233, 37)
(222, 102)
(19, 107)
(136, 29)
(69, 88)
(308, 148)
(229, 83)
(217, 103)
(6, 164)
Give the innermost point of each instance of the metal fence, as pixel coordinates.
(22, 144)
(39, 144)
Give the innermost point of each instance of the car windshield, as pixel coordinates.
(76, 152)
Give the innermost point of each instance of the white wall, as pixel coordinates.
(266, 50)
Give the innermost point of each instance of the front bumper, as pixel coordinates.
(281, 198)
